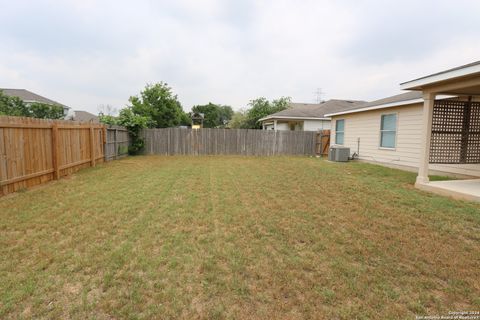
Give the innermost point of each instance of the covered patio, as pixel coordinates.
(451, 130)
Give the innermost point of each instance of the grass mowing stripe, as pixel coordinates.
(236, 237)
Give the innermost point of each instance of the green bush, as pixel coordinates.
(134, 123)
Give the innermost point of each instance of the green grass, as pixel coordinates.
(236, 238)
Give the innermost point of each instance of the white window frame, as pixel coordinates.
(395, 131)
(341, 144)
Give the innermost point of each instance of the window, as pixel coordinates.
(388, 130)
(295, 126)
(339, 131)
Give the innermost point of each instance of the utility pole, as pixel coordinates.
(318, 95)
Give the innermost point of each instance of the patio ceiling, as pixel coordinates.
(466, 87)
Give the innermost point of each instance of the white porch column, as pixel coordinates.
(263, 125)
(275, 125)
(429, 100)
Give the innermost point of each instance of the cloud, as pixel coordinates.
(88, 53)
(409, 30)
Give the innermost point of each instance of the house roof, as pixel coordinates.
(465, 71)
(85, 116)
(461, 71)
(313, 110)
(28, 96)
(392, 101)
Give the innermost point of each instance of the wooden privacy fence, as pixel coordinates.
(117, 143)
(176, 141)
(34, 151)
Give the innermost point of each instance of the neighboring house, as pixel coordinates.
(306, 116)
(29, 97)
(433, 129)
(85, 116)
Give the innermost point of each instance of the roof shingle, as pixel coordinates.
(85, 116)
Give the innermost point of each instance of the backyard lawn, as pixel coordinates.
(236, 238)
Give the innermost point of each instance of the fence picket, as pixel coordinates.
(34, 151)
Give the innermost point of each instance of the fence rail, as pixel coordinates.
(34, 151)
(176, 141)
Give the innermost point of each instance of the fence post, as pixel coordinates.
(275, 142)
(115, 143)
(319, 151)
(104, 140)
(92, 147)
(3, 164)
(55, 152)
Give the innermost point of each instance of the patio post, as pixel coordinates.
(429, 100)
(275, 125)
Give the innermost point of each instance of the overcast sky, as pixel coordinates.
(86, 53)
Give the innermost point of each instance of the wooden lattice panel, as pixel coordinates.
(455, 132)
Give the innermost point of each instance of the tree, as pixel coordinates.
(158, 103)
(107, 119)
(13, 106)
(261, 107)
(134, 123)
(185, 120)
(238, 120)
(46, 111)
(216, 116)
(226, 114)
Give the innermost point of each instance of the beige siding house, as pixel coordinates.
(361, 130)
(433, 129)
(362, 133)
(306, 116)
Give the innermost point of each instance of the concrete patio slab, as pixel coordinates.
(457, 189)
